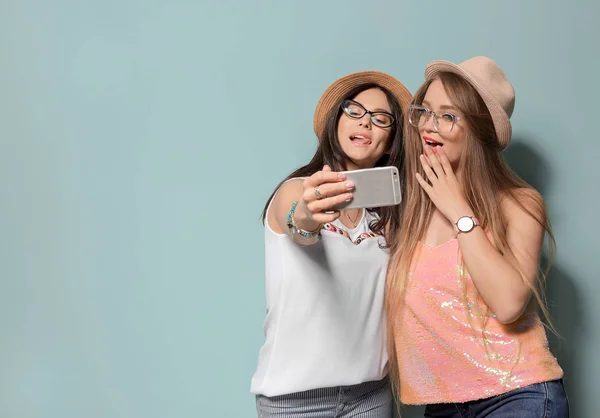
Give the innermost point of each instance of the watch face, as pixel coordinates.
(465, 224)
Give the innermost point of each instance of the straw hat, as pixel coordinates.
(340, 88)
(491, 83)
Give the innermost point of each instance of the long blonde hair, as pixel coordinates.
(486, 180)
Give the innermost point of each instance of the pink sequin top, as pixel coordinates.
(442, 358)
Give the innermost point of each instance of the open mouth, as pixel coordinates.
(432, 142)
(360, 139)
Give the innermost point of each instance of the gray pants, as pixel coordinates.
(366, 400)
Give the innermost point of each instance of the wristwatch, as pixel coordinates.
(465, 224)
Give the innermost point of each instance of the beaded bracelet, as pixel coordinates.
(291, 224)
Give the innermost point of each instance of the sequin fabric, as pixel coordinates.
(444, 353)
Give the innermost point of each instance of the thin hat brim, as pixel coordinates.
(500, 119)
(337, 91)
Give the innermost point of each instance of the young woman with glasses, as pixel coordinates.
(463, 290)
(325, 350)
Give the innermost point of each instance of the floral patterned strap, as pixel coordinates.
(363, 236)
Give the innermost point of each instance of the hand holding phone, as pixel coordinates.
(322, 192)
(373, 188)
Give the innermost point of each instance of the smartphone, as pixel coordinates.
(373, 188)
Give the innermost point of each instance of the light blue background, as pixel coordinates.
(140, 140)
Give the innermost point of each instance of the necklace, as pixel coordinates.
(354, 221)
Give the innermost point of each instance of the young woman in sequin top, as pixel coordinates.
(463, 290)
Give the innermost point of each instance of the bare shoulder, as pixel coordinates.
(289, 191)
(523, 202)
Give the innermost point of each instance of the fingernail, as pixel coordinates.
(348, 197)
(434, 150)
(341, 176)
(349, 185)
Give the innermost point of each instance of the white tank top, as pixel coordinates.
(325, 322)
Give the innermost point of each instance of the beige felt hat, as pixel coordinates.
(491, 83)
(340, 88)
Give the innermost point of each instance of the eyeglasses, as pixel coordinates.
(419, 115)
(356, 111)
